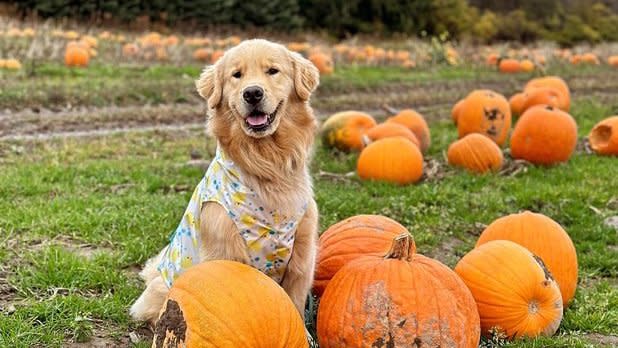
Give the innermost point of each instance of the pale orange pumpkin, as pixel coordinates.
(543, 96)
(475, 152)
(228, 304)
(604, 137)
(403, 299)
(394, 159)
(130, 50)
(416, 123)
(514, 291)
(613, 61)
(552, 82)
(344, 130)
(544, 135)
(347, 240)
(485, 112)
(387, 130)
(543, 237)
(323, 62)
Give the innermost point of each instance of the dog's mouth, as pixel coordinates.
(259, 121)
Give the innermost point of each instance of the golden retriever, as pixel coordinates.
(258, 111)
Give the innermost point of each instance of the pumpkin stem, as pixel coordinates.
(403, 248)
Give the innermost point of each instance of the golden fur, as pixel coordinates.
(274, 161)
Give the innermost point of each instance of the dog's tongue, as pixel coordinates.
(257, 120)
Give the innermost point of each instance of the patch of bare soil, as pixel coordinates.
(600, 339)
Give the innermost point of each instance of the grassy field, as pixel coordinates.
(80, 214)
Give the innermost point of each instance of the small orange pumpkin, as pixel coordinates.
(323, 62)
(492, 59)
(402, 299)
(517, 103)
(344, 130)
(76, 55)
(130, 50)
(543, 96)
(394, 159)
(216, 54)
(544, 135)
(386, 130)
(514, 292)
(552, 82)
(347, 240)
(416, 123)
(456, 110)
(604, 137)
(543, 237)
(11, 64)
(207, 307)
(509, 66)
(476, 153)
(613, 61)
(201, 54)
(485, 112)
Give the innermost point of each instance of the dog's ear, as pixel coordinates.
(306, 76)
(210, 84)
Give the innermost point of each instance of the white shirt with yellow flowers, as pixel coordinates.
(268, 234)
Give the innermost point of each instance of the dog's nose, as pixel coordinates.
(253, 94)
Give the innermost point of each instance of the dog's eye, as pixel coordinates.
(272, 71)
(237, 74)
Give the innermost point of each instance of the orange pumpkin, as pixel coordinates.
(201, 54)
(76, 55)
(513, 290)
(416, 123)
(544, 135)
(216, 54)
(517, 103)
(403, 299)
(526, 65)
(394, 159)
(613, 61)
(552, 82)
(509, 66)
(492, 59)
(386, 130)
(485, 112)
(130, 50)
(543, 237)
(543, 96)
(476, 153)
(344, 130)
(323, 62)
(347, 240)
(206, 307)
(590, 58)
(11, 64)
(604, 137)
(456, 110)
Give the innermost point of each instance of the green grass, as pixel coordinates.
(124, 194)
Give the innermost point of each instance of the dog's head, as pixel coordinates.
(254, 82)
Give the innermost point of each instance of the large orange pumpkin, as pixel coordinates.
(344, 130)
(552, 82)
(394, 159)
(76, 55)
(485, 112)
(513, 290)
(544, 135)
(387, 130)
(604, 137)
(403, 299)
(323, 62)
(509, 66)
(416, 123)
(228, 304)
(350, 239)
(543, 237)
(476, 153)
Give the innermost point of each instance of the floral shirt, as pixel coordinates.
(269, 235)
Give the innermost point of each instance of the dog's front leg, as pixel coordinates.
(299, 273)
